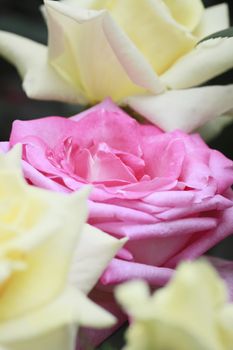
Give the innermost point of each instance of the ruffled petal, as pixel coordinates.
(62, 220)
(155, 18)
(204, 241)
(113, 66)
(120, 271)
(184, 109)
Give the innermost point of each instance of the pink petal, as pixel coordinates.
(120, 271)
(37, 179)
(107, 166)
(170, 198)
(50, 130)
(204, 241)
(90, 338)
(186, 226)
(222, 170)
(110, 125)
(4, 146)
(155, 252)
(100, 212)
(215, 203)
(168, 151)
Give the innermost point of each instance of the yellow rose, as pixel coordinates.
(42, 300)
(191, 313)
(143, 53)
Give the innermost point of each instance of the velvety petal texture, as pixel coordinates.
(191, 312)
(41, 305)
(114, 48)
(168, 194)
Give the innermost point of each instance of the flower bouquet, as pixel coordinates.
(106, 214)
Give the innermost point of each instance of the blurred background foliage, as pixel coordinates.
(23, 17)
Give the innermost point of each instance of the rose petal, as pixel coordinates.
(40, 80)
(4, 146)
(184, 109)
(117, 74)
(201, 243)
(120, 271)
(38, 179)
(186, 12)
(89, 337)
(216, 203)
(31, 291)
(214, 19)
(170, 198)
(93, 246)
(106, 212)
(155, 252)
(107, 166)
(68, 308)
(59, 339)
(153, 17)
(225, 166)
(209, 59)
(164, 229)
(170, 164)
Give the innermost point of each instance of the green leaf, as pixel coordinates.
(226, 33)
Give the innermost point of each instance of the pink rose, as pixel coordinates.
(169, 193)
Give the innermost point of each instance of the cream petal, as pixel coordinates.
(81, 3)
(133, 62)
(95, 250)
(58, 339)
(12, 161)
(209, 59)
(50, 258)
(144, 21)
(184, 109)
(199, 296)
(106, 64)
(214, 19)
(70, 308)
(164, 335)
(132, 293)
(186, 12)
(40, 80)
(187, 309)
(226, 324)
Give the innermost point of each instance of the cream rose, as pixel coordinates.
(192, 312)
(143, 53)
(45, 264)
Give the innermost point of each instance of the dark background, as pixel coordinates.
(23, 17)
